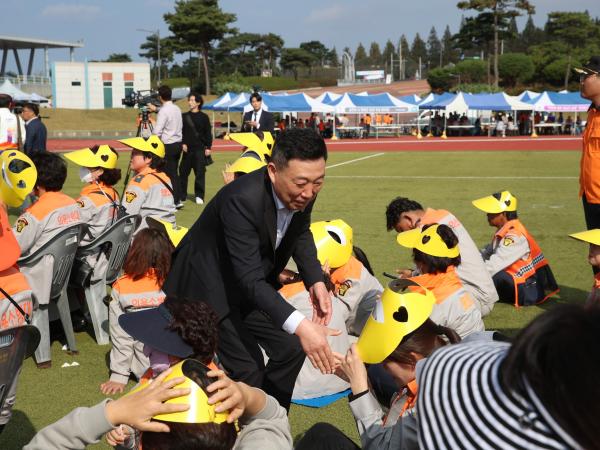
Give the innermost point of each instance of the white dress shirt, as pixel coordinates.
(169, 123)
(256, 117)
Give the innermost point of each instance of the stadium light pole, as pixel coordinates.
(157, 33)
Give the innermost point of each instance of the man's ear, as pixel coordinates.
(272, 170)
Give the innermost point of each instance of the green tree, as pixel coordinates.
(150, 51)
(375, 58)
(470, 71)
(511, 44)
(434, 49)
(407, 67)
(333, 60)
(196, 25)
(293, 59)
(360, 56)
(118, 57)
(449, 53)
(388, 51)
(515, 67)
(271, 46)
(531, 35)
(440, 79)
(317, 50)
(500, 10)
(418, 50)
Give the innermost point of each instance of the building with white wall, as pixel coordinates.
(96, 85)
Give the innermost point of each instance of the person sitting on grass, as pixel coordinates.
(147, 264)
(436, 255)
(150, 192)
(514, 259)
(50, 214)
(592, 237)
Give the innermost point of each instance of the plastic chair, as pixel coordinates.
(114, 242)
(62, 247)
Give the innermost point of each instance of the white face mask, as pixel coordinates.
(85, 175)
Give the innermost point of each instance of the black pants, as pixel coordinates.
(172, 155)
(324, 436)
(241, 356)
(592, 219)
(192, 159)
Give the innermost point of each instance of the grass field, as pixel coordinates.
(545, 184)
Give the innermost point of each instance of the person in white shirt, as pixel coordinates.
(258, 118)
(12, 127)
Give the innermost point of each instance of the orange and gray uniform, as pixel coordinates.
(454, 308)
(39, 223)
(594, 296)
(129, 296)
(472, 269)
(311, 383)
(97, 207)
(358, 291)
(15, 284)
(589, 177)
(148, 195)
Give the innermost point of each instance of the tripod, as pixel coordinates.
(144, 128)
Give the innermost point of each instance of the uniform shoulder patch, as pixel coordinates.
(80, 203)
(343, 287)
(508, 241)
(21, 224)
(130, 196)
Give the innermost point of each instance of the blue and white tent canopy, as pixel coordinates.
(291, 103)
(495, 102)
(526, 96)
(441, 101)
(237, 104)
(328, 97)
(412, 99)
(554, 101)
(217, 104)
(372, 104)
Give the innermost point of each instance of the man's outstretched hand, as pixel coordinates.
(313, 338)
(321, 303)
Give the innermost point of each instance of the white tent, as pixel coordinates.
(17, 94)
(328, 97)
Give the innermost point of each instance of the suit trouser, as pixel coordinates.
(192, 159)
(172, 155)
(239, 352)
(592, 218)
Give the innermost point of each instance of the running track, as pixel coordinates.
(400, 144)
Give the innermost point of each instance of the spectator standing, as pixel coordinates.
(35, 130)
(12, 128)
(169, 125)
(258, 118)
(197, 141)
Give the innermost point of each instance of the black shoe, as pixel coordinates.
(78, 321)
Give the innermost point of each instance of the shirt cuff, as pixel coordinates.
(292, 322)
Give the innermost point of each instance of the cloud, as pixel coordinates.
(333, 12)
(70, 11)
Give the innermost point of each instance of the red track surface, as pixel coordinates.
(404, 143)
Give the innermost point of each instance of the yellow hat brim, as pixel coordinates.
(435, 247)
(492, 205)
(145, 145)
(589, 236)
(245, 164)
(330, 251)
(252, 142)
(86, 158)
(174, 232)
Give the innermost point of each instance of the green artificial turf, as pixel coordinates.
(358, 193)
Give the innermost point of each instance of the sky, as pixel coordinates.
(110, 26)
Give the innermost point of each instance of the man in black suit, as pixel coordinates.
(258, 118)
(35, 130)
(232, 258)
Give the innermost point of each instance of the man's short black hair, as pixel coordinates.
(298, 143)
(5, 100)
(33, 108)
(165, 92)
(51, 171)
(397, 207)
(255, 96)
(197, 97)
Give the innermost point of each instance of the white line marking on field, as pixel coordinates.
(429, 141)
(435, 177)
(355, 160)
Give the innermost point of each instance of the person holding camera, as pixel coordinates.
(168, 128)
(36, 133)
(12, 128)
(197, 141)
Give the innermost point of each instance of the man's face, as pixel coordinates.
(256, 104)
(408, 220)
(27, 114)
(299, 183)
(589, 85)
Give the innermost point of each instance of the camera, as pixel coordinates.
(141, 99)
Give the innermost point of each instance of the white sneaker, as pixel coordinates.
(179, 205)
(199, 201)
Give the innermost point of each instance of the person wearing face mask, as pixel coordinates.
(175, 330)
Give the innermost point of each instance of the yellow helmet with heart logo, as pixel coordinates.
(403, 307)
(197, 381)
(18, 177)
(174, 232)
(97, 156)
(428, 241)
(589, 236)
(248, 162)
(496, 203)
(333, 239)
(253, 142)
(153, 145)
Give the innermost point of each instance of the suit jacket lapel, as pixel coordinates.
(270, 213)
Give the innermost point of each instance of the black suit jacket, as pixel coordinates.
(35, 137)
(228, 258)
(266, 121)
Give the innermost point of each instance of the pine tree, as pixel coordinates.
(375, 59)
(449, 54)
(434, 49)
(360, 56)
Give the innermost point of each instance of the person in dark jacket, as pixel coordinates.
(197, 141)
(35, 130)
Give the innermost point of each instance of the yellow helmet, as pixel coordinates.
(398, 312)
(196, 380)
(103, 156)
(175, 233)
(269, 141)
(590, 236)
(428, 241)
(253, 142)
(153, 145)
(496, 203)
(248, 162)
(18, 177)
(333, 239)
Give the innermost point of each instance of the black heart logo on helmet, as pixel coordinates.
(425, 239)
(21, 184)
(154, 145)
(507, 202)
(104, 158)
(401, 315)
